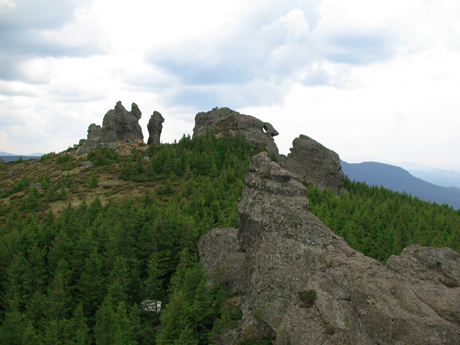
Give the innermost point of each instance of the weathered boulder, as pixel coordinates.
(225, 121)
(37, 186)
(118, 124)
(155, 126)
(281, 249)
(15, 171)
(315, 164)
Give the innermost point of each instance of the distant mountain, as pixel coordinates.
(13, 158)
(445, 178)
(400, 180)
(8, 157)
(6, 154)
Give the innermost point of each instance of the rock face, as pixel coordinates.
(315, 164)
(118, 124)
(155, 126)
(226, 122)
(281, 249)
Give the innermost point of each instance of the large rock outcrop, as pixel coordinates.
(155, 126)
(226, 121)
(281, 249)
(118, 124)
(315, 164)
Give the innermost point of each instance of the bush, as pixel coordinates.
(330, 330)
(93, 183)
(308, 298)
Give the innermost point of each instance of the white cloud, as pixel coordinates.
(371, 80)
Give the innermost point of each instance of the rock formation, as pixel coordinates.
(315, 164)
(226, 122)
(155, 126)
(281, 250)
(118, 124)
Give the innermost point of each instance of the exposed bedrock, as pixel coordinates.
(118, 124)
(155, 126)
(225, 121)
(282, 249)
(315, 164)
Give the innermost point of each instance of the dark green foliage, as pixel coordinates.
(47, 156)
(308, 298)
(103, 156)
(330, 330)
(64, 159)
(78, 277)
(379, 222)
(93, 182)
(22, 184)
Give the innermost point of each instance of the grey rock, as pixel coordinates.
(315, 164)
(56, 172)
(225, 121)
(94, 132)
(155, 126)
(119, 124)
(146, 158)
(14, 171)
(86, 164)
(37, 186)
(282, 249)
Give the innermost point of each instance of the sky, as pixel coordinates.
(371, 80)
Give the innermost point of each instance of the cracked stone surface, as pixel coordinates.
(225, 121)
(315, 164)
(281, 249)
(118, 124)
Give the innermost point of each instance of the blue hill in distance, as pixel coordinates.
(400, 180)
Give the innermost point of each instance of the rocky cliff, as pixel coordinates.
(312, 288)
(118, 124)
(155, 126)
(315, 164)
(225, 121)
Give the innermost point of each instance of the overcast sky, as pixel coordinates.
(371, 80)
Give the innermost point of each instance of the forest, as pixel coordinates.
(126, 271)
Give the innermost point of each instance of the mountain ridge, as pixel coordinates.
(400, 180)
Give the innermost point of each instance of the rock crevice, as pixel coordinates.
(118, 124)
(281, 249)
(225, 121)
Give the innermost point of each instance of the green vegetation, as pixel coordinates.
(81, 276)
(103, 156)
(80, 257)
(308, 298)
(330, 330)
(379, 222)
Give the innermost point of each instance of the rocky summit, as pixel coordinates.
(118, 124)
(311, 287)
(315, 164)
(225, 121)
(155, 126)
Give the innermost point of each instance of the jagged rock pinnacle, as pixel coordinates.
(281, 250)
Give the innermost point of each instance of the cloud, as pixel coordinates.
(358, 48)
(38, 29)
(265, 51)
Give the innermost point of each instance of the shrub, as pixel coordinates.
(308, 298)
(330, 330)
(93, 183)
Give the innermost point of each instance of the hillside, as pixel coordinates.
(100, 247)
(400, 180)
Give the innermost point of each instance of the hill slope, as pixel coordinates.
(400, 180)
